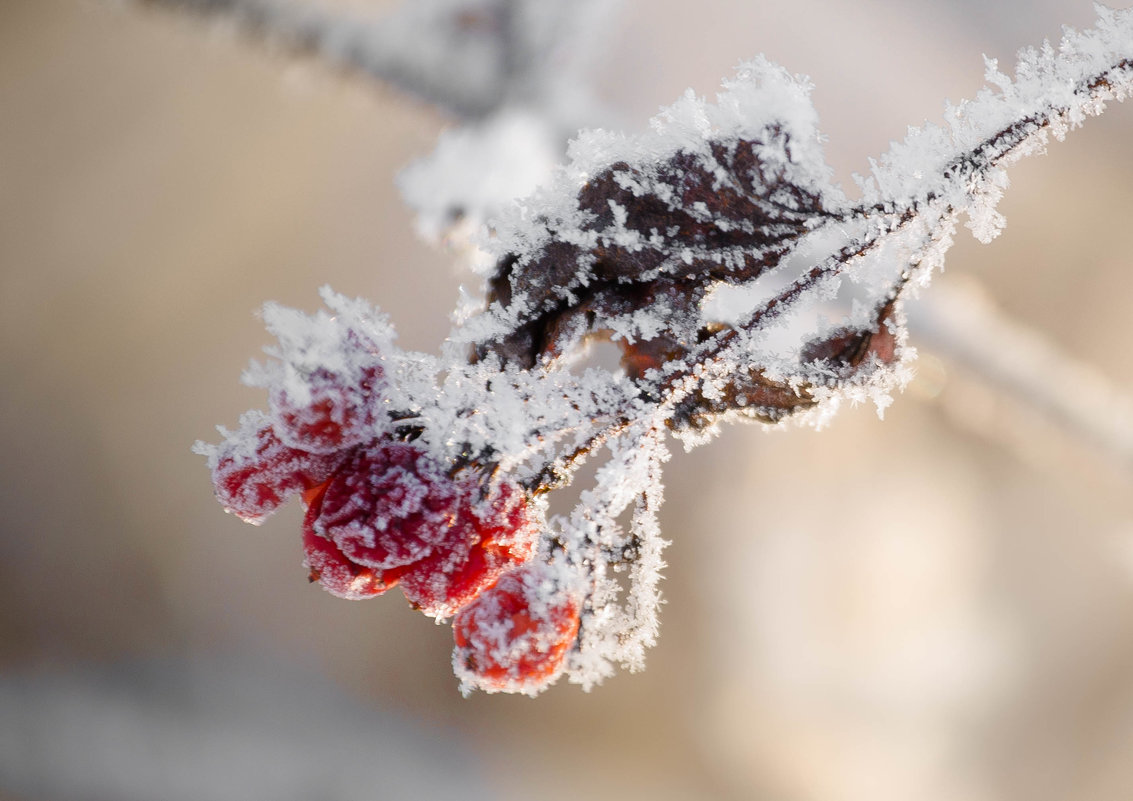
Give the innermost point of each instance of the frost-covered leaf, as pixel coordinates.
(641, 229)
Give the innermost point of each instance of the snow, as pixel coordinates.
(477, 170)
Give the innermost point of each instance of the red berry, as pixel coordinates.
(325, 410)
(253, 472)
(515, 636)
(329, 566)
(388, 505)
(486, 542)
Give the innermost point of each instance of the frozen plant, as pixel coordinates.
(738, 283)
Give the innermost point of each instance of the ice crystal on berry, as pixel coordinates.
(334, 570)
(486, 539)
(388, 506)
(254, 471)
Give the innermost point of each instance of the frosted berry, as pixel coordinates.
(329, 566)
(488, 539)
(324, 410)
(388, 505)
(253, 472)
(515, 636)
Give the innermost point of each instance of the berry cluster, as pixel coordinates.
(383, 511)
(389, 516)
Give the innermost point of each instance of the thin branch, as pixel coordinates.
(1008, 142)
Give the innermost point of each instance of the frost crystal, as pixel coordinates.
(736, 280)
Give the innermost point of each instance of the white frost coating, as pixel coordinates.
(787, 308)
(242, 443)
(1053, 90)
(477, 170)
(762, 94)
(344, 343)
(618, 627)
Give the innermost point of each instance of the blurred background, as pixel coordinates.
(934, 606)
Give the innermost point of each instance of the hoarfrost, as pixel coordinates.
(476, 170)
(738, 282)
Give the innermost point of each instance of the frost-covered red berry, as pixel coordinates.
(392, 509)
(253, 471)
(388, 505)
(326, 383)
(515, 636)
(487, 540)
(325, 410)
(330, 567)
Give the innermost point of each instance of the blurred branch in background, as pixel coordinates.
(467, 58)
(961, 324)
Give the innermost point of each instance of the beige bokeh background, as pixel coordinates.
(937, 606)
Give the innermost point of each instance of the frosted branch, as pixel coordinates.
(738, 282)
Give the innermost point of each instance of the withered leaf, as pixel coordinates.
(658, 236)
